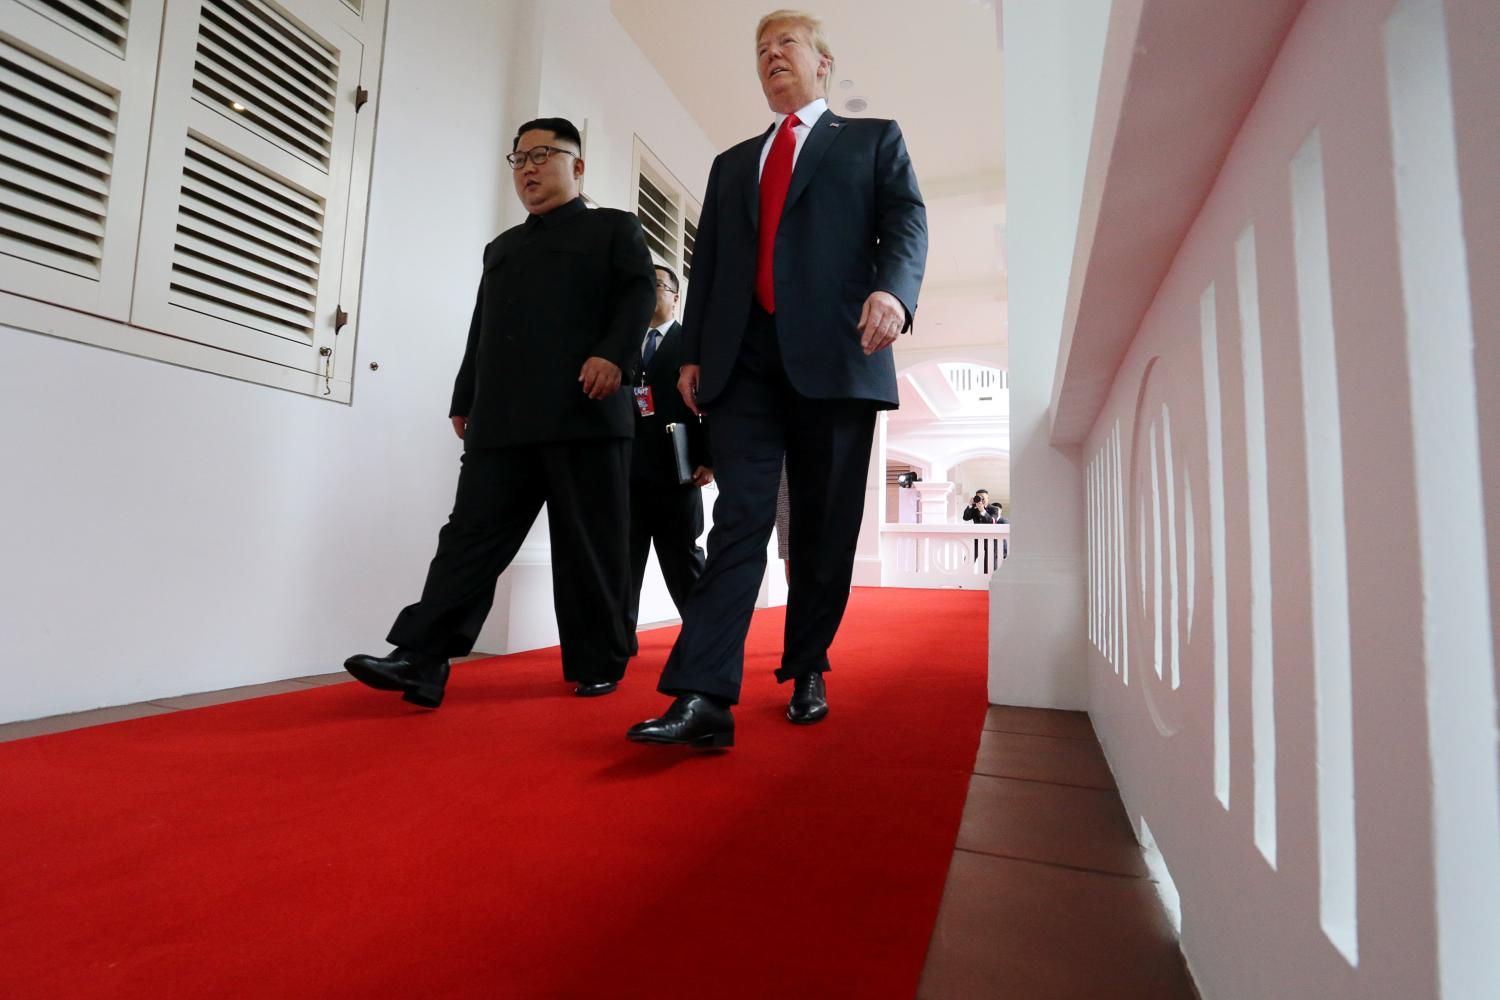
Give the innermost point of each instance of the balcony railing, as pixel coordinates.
(942, 555)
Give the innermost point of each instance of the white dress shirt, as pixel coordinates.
(808, 116)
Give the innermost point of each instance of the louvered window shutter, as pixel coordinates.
(243, 232)
(76, 86)
(660, 218)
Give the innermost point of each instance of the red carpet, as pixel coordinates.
(337, 843)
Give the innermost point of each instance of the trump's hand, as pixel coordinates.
(600, 378)
(460, 424)
(687, 386)
(880, 321)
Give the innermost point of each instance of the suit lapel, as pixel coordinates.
(827, 128)
(751, 184)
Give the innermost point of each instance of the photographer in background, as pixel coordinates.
(980, 510)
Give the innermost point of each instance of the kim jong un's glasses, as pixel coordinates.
(536, 154)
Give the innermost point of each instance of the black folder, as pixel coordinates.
(679, 435)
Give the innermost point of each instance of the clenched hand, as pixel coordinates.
(687, 387)
(880, 321)
(600, 378)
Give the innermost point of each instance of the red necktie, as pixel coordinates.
(775, 178)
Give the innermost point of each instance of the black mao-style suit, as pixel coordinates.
(795, 384)
(662, 510)
(556, 290)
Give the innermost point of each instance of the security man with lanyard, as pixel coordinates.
(664, 508)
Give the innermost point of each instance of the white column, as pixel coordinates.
(1038, 612)
(867, 552)
(932, 502)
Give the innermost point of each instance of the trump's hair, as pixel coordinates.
(814, 26)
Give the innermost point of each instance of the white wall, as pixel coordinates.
(1296, 684)
(593, 72)
(166, 531)
(1053, 56)
(590, 71)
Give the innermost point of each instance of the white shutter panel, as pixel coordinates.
(659, 219)
(76, 83)
(246, 205)
(103, 22)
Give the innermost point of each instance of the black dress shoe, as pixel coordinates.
(593, 689)
(809, 702)
(693, 720)
(420, 678)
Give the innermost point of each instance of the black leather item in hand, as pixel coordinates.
(679, 435)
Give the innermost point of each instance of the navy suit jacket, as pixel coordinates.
(653, 460)
(853, 223)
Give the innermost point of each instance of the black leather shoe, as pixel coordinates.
(809, 702)
(419, 677)
(693, 720)
(593, 689)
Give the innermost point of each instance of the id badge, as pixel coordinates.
(643, 401)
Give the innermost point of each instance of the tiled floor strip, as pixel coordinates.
(1048, 897)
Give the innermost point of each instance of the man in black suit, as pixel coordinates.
(980, 510)
(561, 305)
(663, 509)
(809, 256)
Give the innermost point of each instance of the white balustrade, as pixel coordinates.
(942, 555)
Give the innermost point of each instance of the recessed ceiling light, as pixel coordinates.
(856, 104)
(845, 84)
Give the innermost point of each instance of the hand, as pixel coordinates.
(880, 321)
(687, 386)
(460, 424)
(600, 378)
(703, 475)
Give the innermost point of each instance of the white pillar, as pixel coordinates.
(932, 502)
(867, 549)
(1038, 635)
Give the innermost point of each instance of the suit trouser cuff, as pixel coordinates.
(792, 671)
(728, 693)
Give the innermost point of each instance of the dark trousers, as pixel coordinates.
(759, 420)
(500, 493)
(672, 517)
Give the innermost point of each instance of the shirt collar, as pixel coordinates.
(557, 215)
(808, 115)
(663, 328)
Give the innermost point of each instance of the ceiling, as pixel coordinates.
(938, 74)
